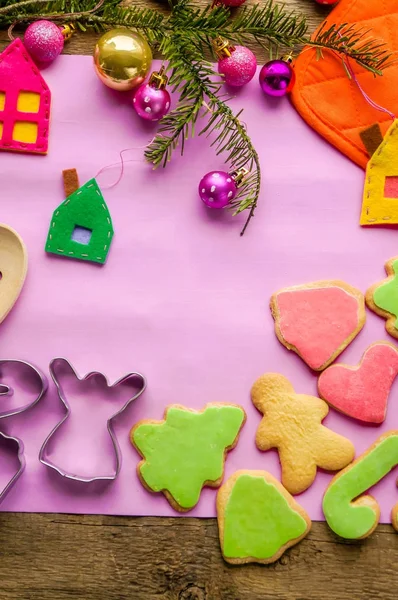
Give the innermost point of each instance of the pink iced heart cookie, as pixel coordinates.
(318, 320)
(362, 392)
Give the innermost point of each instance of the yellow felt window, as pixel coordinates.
(1, 130)
(25, 132)
(2, 100)
(28, 102)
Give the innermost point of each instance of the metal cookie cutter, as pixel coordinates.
(21, 368)
(43, 454)
(9, 440)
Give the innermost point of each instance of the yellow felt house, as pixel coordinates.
(380, 195)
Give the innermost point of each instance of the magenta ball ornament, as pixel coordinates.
(239, 67)
(217, 189)
(150, 103)
(327, 2)
(277, 78)
(44, 41)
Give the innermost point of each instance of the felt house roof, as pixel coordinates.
(81, 227)
(25, 102)
(380, 197)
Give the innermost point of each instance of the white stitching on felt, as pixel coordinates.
(108, 219)
(379, 151)
(43, 138)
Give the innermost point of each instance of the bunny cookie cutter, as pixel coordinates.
(21, 368)
(44, 458)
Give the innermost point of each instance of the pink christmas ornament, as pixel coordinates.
(277, 77)
(327, 2)
(44, 41)
(217, 189)
(237, 63)
(152, 101)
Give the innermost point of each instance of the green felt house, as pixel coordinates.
(81, 227)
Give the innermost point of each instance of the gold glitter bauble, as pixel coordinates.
(122, 59)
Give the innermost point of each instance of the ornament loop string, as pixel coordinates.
(53, 16)
(351, 73)
(121, 164)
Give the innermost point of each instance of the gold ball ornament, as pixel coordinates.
(122, 59)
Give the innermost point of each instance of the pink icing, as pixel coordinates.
(362, 392)
(317, 321)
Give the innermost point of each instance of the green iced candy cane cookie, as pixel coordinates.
(345, 517)
(385, 295)
(187, 449)
(259, 520)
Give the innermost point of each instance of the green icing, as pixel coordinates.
(344, 518)
(385, 295)
(258, 520)
(187, 449)
(84, 208)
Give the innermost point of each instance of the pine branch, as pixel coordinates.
(184, 36)
(198, 85)
(356, 44)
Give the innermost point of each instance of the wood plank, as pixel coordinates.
(83, 43)
(54, 557)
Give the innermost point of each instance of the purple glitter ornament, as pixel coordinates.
(238, 68)
(277, 78)
(44, 41)
(217, 189)
(151, 103)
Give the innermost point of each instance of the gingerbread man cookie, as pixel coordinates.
(318, 320)
(292, 424)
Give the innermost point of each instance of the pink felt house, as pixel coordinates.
(25, 102)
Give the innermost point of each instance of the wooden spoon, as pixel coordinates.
(13, 267)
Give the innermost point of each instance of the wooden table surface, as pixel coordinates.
(59, 557)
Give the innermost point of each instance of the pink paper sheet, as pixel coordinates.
(182, 298)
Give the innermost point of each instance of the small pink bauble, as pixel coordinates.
(327, 2)
(217, 189)
(276, 78)
(239, 68)
(231, 2)
(44, 41)
(151, 103)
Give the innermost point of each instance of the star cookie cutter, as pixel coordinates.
(44, 455)
(21, 368)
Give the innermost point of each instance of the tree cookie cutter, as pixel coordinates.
(44, 454)
(21, 367)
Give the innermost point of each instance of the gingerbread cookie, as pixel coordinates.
(292, 424)
(186, 450)
(382, 297)
(318, 320)
(349, 514)
(257, 518)
(362, 392)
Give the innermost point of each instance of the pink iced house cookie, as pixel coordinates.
(318, 320)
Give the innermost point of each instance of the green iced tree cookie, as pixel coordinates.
(186, 450)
